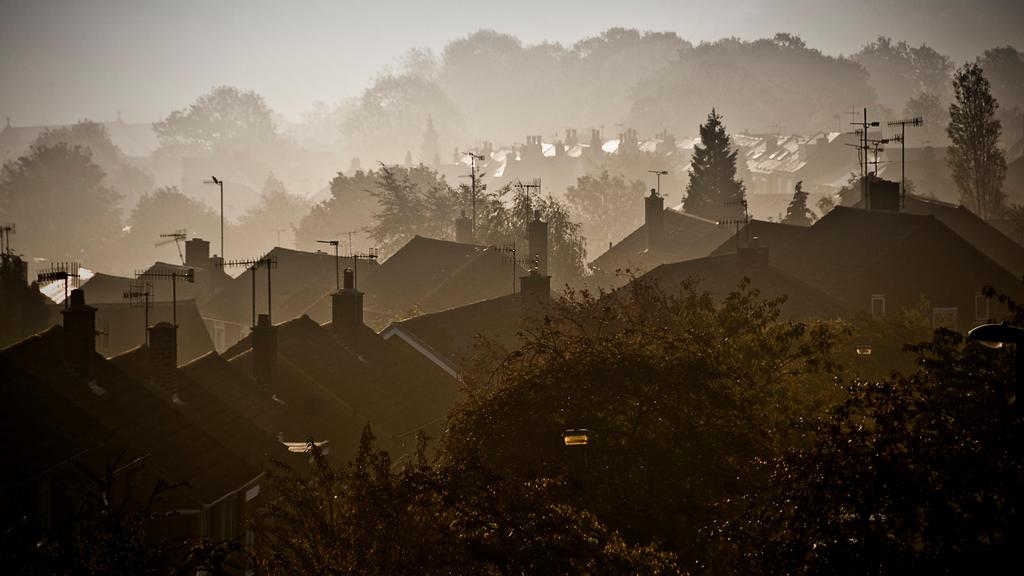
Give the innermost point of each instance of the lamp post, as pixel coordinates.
(219, 183)
(998, 336)
(337, 278)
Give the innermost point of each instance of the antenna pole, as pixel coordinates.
(253, 295)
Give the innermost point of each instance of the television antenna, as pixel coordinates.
(509, 255)
(177, 237)
(140, 291)
(473, 177)
(862, 153)
(371, 254)
(62, 271)
(658, 174)
(266, 261)
(253, 264)
(348, 233)
(188, 275)
(738, 222)
(915, 121)
(533, 186)
(5, 238)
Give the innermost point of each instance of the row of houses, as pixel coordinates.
(256, 370)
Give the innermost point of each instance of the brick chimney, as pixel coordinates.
(537, 235)
(463, 229)
(163, 356)
(347, 312)
(654, 220)
(197, 253)
(79, 334)
(883, 194)
(264, 350)
(534, 291)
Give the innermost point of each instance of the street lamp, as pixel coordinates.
(998, 336)
(337, 278)
(219, 183)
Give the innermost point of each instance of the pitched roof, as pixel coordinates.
(207, 410)
(121, 327)
(298, 281)
(177, 449)
(686, 237)
(720, 275)
(769, 234)
(298, 414)
(430, 275)
(970, 227)
(450, 338)
(395, 390)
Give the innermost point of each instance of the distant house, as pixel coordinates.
(67, 408)
(882, 261)
(667, 235)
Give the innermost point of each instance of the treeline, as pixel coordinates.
(651, 81)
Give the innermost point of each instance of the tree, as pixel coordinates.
(975, 158)
(364, 518)
(1004, 68)
(826, 204)
(431, 147)
(412, 200)
(898, 71)
(277, 210)
(224, 118)
(126, 179)
(57, 194)
(609, 207)
(350, 208)
(164, 211)
(928, 107)
(683, 395)
(713, 191)
(911, 474)
(500, 223)
(797, 212)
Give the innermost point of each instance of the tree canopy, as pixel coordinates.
(224, 118)
(60, 196)
(975, 158)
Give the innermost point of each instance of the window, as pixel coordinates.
(877, 305)
(980, 307)
(944, 318)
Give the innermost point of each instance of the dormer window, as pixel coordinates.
(877, 305)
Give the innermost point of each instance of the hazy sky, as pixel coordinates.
(64, 60)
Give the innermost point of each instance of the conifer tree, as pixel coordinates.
(713, 191)
(430, 147)
(798, 213)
